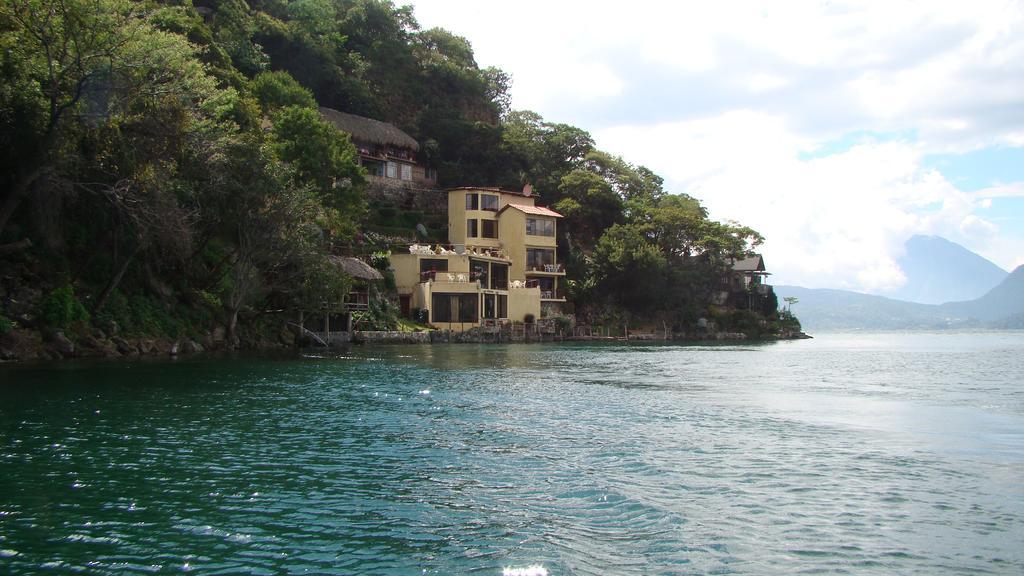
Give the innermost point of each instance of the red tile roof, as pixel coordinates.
(535, 210)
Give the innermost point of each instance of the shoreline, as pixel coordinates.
(29, 346)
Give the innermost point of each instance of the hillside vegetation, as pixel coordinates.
(167, 172)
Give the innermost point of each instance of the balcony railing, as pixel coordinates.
(547, 268)
(456, 250)
(438, 276)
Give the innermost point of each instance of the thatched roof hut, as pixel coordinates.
(356, 268)
(369, 130)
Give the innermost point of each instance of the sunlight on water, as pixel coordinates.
(873, 453)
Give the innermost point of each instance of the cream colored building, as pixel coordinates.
(501, 263)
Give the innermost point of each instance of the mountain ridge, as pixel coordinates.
(833, 309)
(938, 270)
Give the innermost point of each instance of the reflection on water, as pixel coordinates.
(863, 453)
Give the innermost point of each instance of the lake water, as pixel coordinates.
(865, 454)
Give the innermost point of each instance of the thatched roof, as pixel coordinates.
(356, 268)
(368, 129)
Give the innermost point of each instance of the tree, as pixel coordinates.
(790, 300)
(325, 159)
(628, 267)
(73, 65)
(276, 90)
(589, 205)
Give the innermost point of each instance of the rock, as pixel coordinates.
(92, 347)
(21, 345)
(125, 347)
(219, 334)
(146, 346)
(287, 337)
(173, 348)
(192, 347)
(62, 345)
(112, 328)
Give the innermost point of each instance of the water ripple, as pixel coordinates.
(852, 457)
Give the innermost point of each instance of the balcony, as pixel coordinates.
(546, 269)
(552, 295)
(356, 301)
(450, 277)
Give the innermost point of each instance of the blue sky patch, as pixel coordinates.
(980, 169)
(851, 139)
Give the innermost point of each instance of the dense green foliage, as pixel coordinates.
(167, 156)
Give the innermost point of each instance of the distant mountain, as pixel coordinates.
(824, 309)
(938, 271)
(1001, 302)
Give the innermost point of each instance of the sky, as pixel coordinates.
(837, 130)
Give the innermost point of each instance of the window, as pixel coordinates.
(499, 277)
(441, 308)
(472, 201)
(502, 306)
(435, 264)
(406, 172)
(480, 270)
(454, 308)
(392, 170)
(490, 306)
(536, 258)
(471, 228)
(489, 202)
(431, 174)
(540, 227)
(489, 228)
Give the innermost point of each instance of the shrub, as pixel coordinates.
(60, 309)
(5, 324)
(564, 323)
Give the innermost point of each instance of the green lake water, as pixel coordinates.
(864, 454)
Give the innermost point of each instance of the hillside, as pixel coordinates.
(1003, 301)
(938, 271)
(825, 309)
(168, 172)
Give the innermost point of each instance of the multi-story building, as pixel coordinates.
(500, 265)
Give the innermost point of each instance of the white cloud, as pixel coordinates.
(837, 221)
(722, 99)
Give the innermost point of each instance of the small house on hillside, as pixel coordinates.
(332, 323)
(744, 287)
(388, 154)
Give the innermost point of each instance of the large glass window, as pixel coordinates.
(373, 168)
(472, 228)
(540, 227)
(489, 202)
(472, 201)
(447, 307)
(490, 306)
(392, 170)
(441, 308)
(434, 264)
(480, 270)
(489, 228)
(502, 306)
(536, 258)
(499, 277)
(406, 173)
